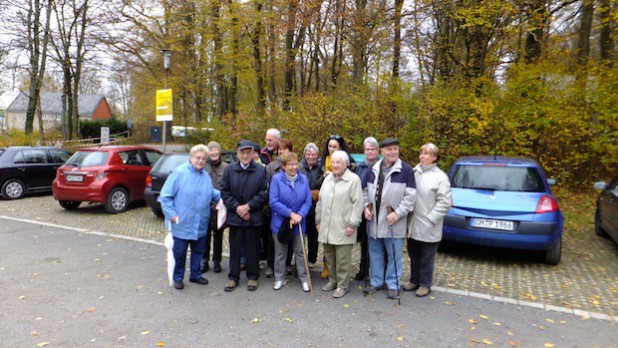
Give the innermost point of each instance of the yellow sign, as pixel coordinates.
(165, 110)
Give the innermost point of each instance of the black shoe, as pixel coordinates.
(360, 276)
(179, 285)
(370, 290)
(217, 267)
(200, 280)
(204, 266)
(392, 294)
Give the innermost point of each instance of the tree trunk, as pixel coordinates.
(397, 38)
(38, 58)
(606, 44)
(583, 45)
(537, 20)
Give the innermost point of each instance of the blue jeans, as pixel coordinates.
(198, 247)
(378, 248)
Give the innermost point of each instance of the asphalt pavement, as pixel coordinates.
(71, 287)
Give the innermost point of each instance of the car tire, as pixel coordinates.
(117, 200)
(554, 254)
(13, 189)
(597, 225)
(158, 212)
(70, 205)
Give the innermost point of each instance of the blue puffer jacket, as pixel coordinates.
(285, 199)
(187, 193)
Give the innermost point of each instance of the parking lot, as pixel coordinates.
(585, 280)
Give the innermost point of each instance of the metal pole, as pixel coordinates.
(165, 122)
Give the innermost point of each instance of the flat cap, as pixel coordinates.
(388, 142)
(244, 144)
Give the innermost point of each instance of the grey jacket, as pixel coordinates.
(399, 192)
(432, 203)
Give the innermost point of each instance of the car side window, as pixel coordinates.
(30, 157)
(152, 156)
(59, 156)
(131, 158)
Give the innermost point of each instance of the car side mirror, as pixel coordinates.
(551, 181)
(600, 185)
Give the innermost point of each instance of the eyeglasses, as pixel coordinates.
(335, 137)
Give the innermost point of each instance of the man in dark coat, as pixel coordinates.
(244, 191)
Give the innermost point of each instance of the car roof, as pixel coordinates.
(117, 148)
(497, 160)
(30, 147)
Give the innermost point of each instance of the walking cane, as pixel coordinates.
(368, 228)
(302, 245)
(389, 209)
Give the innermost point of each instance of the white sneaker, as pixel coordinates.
(279, 284)
(306, 287)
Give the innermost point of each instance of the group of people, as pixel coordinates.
(275, 198)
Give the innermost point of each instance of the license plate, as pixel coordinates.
(75, 178)
(494, 224)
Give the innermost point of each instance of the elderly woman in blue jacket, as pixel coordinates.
(185, 199)
(290, 197)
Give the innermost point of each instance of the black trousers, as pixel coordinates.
(312, 238)
(422, 259)
(364, 254)
(251, 236)
(216, 235)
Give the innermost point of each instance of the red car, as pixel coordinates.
(112, 175)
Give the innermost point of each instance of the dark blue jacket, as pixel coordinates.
(285, 199)
(240, 186)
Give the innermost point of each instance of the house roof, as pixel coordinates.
(51, 103)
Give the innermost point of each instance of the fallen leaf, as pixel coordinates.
(91, 309)
(487, 342)
(497, 324)
(548, 345)
(22, 297)
(34, 333)
(39, 318)
(399, 338)
(471, 321)
(289, 320)
(549, 320)
(255, 320)
(145, 332)
(510, 333)
(123, 337)
(160, 344)
(345, 305)
(448, 303)
(482, 316)
(42, 344)
(514, 343)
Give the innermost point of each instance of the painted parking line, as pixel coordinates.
(577, 312)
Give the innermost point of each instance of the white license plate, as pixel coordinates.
(494, 224)
(75, 178)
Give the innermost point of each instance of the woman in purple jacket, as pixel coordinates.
(290, 197)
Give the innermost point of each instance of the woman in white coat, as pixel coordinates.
(425, 231)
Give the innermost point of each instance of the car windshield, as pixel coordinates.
(88, 159)
(169, 163)
(498, 178)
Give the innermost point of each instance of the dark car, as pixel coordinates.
(606, 216)
(162, 169)
(157, 176)
(29, 169)
(504, 202)
(112, 175)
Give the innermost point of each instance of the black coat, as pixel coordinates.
(240, 186)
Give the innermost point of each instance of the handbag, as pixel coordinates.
(286, 232)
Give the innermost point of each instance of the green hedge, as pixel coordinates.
(92, 129)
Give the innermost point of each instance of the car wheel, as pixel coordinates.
(13, 189)
(157, 211)
(117, 201)
(70, 205)
(597, 225)
(554, 254)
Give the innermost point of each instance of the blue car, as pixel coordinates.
(504, 202)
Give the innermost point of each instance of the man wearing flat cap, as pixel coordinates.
(244, 190)
(389, 191)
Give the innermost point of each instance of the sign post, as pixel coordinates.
(165, 111)
(105, 135)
